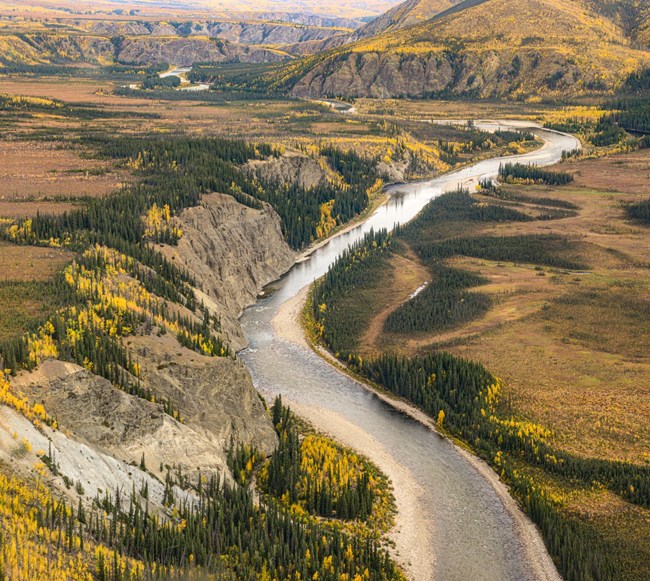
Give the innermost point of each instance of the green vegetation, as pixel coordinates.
(315, 474)
(24, 306)
(434, 236)
(221, 531)
(639, 211)
(113, 237)
(176, 172)
(531, 248)
(460, 206)
(237, 80)
(521, 173)
(31, 107)
(157, 82)
(443, 304)
(631, 114)
(464, 397)
(357, 268)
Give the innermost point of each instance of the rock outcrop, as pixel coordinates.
(300, 169)
(234, 251)
(187, 51)
(216, 395)
(478, 49)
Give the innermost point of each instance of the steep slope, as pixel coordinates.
(480, 48)
(632, 15)
(187, 51)
(251, 32)
(234, 251)
(411, 12)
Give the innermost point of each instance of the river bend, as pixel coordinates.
(461, 528)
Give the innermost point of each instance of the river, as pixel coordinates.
(458, 527)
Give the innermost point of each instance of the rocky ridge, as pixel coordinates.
(233, 251)
(478, 49)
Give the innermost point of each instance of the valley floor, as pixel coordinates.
(570, 344)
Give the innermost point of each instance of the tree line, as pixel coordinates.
(464, 397)
(519, 172)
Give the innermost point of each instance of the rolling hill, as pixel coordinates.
(481, 48)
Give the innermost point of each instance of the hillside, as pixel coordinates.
(632, 15)
(154, 41)
(121, 394)
(409, 13)
(64, 49)
(480, 48)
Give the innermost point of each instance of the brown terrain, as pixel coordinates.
(572, 347)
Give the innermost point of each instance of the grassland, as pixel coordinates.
(576, 334)
(25, 286)
(570, 344)
(47, 167)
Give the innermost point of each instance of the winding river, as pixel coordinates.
(454, 525)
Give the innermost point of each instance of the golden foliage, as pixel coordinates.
(30, 551)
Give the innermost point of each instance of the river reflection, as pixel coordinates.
(474, 535)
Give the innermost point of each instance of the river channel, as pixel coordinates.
(462, 530)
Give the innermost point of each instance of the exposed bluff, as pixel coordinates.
(479, 74)
(31, 49)
(187, 51)
(241, 32)
(215, 395)
(480, 48)
(234, 251)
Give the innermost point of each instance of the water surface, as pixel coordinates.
(474, 535)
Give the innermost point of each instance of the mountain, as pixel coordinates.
(480, 48)
(65, 49)
(632, 15)
(407, 14)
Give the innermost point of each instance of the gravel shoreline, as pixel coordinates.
(412, 536)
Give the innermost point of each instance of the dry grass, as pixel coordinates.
(573, 348)
(30, 263)
(406, 276)
(626, 173)
(25, 294)
(35, 169)
(452, 110)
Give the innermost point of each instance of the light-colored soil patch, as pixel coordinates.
(34, 169)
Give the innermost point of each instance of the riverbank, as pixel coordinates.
(474, 534)
(412, 543)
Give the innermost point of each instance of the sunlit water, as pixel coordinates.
(474, 536)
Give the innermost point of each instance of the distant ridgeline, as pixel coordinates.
(462, 395)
